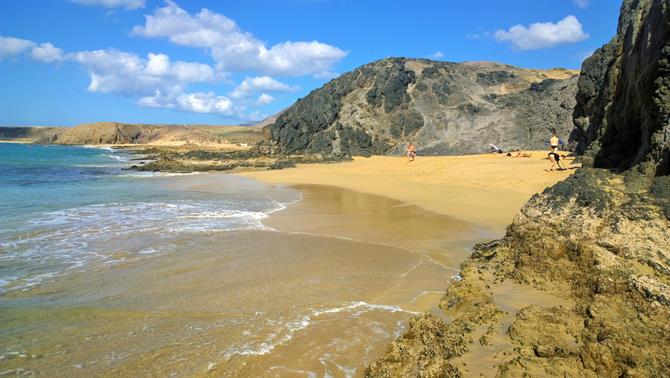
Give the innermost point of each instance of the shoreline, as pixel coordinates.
(483, 190)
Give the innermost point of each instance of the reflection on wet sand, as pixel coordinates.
(322, 294)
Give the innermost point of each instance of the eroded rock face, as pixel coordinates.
(600, 239)
(623, 103)
(444, 108)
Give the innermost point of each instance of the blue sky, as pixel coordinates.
(65, 62)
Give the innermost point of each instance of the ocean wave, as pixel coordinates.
(289, 328)
(117, 157)
(96, 147)
(157, 174)
(56, 242)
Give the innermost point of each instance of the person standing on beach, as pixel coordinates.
(553, 141)
(554, 157)
(411, 151)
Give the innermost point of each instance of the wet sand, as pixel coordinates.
(322, 291)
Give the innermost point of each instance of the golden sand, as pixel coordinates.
(487, 190)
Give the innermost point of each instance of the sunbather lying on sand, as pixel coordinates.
(519, 154)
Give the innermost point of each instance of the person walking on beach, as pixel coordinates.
(411, 151)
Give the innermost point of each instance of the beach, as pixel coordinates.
(485, 190)
(306, 271)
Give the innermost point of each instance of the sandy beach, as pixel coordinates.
(485, 190)
(328, 280)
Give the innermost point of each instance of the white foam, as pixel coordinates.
(363, 305)
(57, 242)
(93, 146)
(292, 327)
(142, 174)
(117, 157)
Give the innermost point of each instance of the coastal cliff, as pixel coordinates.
(444, 108)
(580, 284)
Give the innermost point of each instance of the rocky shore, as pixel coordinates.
(598, 242)
(168, 159)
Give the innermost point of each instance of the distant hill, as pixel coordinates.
(121, 133)
(444, 108)
(265, 122)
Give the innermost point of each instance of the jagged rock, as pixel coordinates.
(622, 114)
(550, 332)
(444, 108)
(601, 238)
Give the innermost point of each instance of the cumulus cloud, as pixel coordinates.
(127, 4)
(543, 34)
(197, 102)
(259, 84)
(120, 72)
(46, 52)
(156, 80)
(264, 99)
(235, 49)
(10, 46)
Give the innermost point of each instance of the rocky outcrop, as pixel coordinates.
(623, 104)
(600, 240)
(444, 108)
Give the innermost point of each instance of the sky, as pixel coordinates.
(66, 62)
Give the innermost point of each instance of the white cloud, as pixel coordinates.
(264, 99)
(114, 71)
(235, 49)
(205, 103)
(543, 34)
(128, 4)
(436, 55)
(198, 102)
(46, 52)
(581, 3)
(10, 46)
(155, 80)
(259, 84)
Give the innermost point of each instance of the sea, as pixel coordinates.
(62, 208)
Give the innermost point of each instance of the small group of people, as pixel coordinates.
(554, 157)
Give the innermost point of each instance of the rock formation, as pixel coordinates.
(597, 243)
(444, 108)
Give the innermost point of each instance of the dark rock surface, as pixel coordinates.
(600, 240)
(623, 104)
(444, 108)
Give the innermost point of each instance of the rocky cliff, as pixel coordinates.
(623, 103)
(580, 284)
(444, 108)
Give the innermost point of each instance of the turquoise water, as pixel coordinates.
(65, 209)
